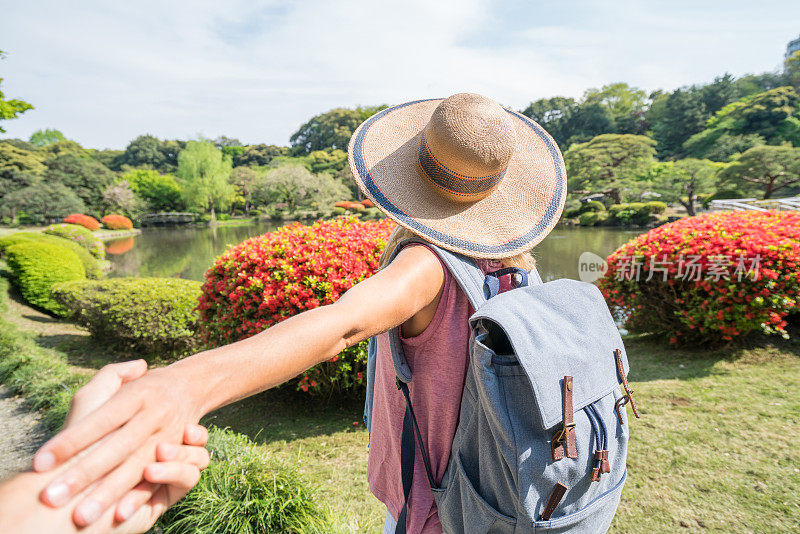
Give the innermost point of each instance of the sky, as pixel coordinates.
(104, 72)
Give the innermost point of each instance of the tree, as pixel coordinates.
(151, 152)
(243, 179)
(18, 168)
(626, 105)
(791, 70)
(43, 138)
(295, 186)
(86, 177)
(259, 155)
(204, 171)
(41, 203)
(224, 141)
(119, 198)
(589, 121)
(773, 116)
(765, 169)
(674, 118)
(160, 191)
(10, 109)
(331, 129)
(685, 181)
(553, 114)
(614, 164)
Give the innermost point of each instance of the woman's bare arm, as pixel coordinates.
(156, 407)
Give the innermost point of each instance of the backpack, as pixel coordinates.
(542, 435)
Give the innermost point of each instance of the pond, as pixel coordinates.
(187, 252)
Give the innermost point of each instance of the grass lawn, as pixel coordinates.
(717, 448)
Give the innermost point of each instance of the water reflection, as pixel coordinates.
(185, 252)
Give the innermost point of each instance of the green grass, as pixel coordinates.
(717, 448)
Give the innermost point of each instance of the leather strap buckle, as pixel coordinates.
(628, 396)
(563, 443)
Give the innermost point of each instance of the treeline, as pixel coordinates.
(728, 138)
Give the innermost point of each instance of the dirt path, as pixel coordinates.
(21, 433)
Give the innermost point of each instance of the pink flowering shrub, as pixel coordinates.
(272, 277)
(709, 279)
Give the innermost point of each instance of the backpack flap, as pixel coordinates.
(556, 329)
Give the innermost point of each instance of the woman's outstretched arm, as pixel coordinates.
(156, 407)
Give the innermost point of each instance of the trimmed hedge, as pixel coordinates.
(90, 264)
(36, 267)
(87, 221)
(150, 314)
(79, 235)
(117, 222)
(715, 277)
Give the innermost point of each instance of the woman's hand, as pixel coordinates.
(176, 472)
(143, 413)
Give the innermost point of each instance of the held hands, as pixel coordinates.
(127, 419)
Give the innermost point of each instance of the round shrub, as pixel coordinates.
(727, 275)
(90, 263)
(87, 221)
(367, 203)
(117, 222)
(149, 314)
(656, 207)
(271, 277)
(79, 235)
(592, 205)
(36, 267)
(590, 218)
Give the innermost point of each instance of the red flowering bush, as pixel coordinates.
(117, 222)
(83, 220)
(709, 279)
(272, 277)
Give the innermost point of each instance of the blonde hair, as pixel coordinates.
(401, 233)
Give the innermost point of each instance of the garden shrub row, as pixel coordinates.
(148, 314)
(90, 263)
(635, 213)
(271, 277)
(36, 267)
(79, 235)
(716, 277)
(87, 221)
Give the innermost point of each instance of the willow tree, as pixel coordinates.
(204, 171)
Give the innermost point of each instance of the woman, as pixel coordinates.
(461, 173)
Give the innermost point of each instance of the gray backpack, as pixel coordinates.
(542, 435)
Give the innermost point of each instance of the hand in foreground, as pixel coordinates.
(167, 481)
(123, 431)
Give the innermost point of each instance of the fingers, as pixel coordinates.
(102, 386)
(195, 435)
(91, 428)
(135, 499)
(176, 474)
(167, 452)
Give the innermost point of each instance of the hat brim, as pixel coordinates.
(383, 157)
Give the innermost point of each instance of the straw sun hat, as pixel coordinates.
(463, 172)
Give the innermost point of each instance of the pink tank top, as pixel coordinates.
(438, 359)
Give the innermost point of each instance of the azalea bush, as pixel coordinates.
(87, 221)
(117, 222)
(709, 279)
(272, 277)
(79, 235)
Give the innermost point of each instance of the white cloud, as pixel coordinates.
(105, 72)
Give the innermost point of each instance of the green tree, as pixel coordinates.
(10, 108)
(626, 105)
(614, 164)
(41, 203)
(204, 171)
(119, 198)
(773, 115)
(47, 137)
(589, 121)
(331, 129)
(674, 118)
(791, 70)
(294, 185)
(685, 181)
(554, 115)
(18, 168)
(86, 177)
(765, 170)
(259, 155)
(243, 179)
(151, 152)
(161, 192)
